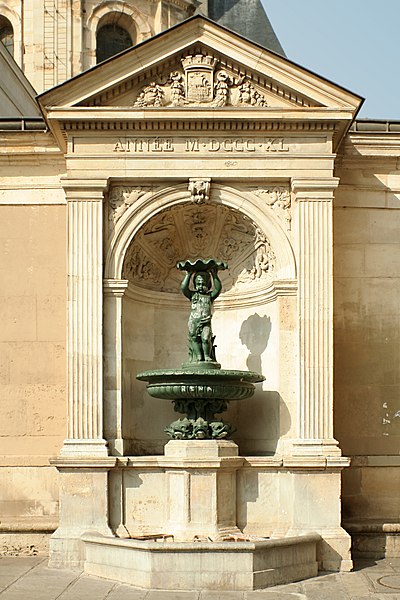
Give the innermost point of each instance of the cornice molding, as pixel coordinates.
(165, 124)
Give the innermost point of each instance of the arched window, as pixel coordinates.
(111, 38)
(7, 34)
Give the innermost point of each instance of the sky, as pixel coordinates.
(354, 43)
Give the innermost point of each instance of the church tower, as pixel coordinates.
(54, 40)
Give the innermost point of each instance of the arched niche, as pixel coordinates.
(149, 231)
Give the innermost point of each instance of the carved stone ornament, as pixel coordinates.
(278, 198)
(199, 189)
(192, 230)
(121, 198)
(199, 83)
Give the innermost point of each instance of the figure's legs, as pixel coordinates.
(206, 339)
(197, 349)
(195, 344)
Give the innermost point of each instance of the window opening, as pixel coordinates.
(7, 35)
(111, 39)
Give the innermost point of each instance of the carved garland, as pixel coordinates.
(277, 198)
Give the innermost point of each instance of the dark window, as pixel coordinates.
(7, 34)
(111, 39)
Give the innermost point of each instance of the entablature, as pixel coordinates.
(200, 75)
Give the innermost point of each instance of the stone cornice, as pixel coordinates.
(84, 462)
(84, 189)
(371, 144)
(200, 122)
(163, 114)
(270, 463)
(315, 188)
(225, 302)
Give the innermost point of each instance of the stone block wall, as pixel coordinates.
(32, 371)
(367, 332)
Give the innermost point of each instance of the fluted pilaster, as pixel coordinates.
(314, 199)
(85, 316)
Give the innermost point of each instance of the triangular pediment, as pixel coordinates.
(200, 77)
(199, 65)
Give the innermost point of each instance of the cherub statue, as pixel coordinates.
(207, 287)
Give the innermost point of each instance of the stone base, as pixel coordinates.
(66, 550)
(232, 566)
(201, 484)
(375, 539)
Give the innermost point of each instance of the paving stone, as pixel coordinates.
(290, 588)
(394, 563)
(356, 584)
(325, 587)
(126, 592)
(28, 578)
(374, 578)
(12, 568)
(273, 594)
(388, 583)
(373, 565)
(88, 587)
(371, 596)
(171, 595)
(214, 595)
(40, 584)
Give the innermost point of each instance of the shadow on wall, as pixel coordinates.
(254, 334)
(264, 418)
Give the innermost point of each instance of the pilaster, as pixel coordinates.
(314, 201)
(85, 318)
(114, 290)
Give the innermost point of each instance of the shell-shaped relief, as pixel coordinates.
(191, 231)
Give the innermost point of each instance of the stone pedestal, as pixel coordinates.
(202, 488)
(83, 508)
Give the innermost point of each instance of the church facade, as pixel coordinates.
(195, 141)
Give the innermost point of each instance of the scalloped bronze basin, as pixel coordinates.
(180, 384)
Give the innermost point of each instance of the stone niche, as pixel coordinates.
(254, 319)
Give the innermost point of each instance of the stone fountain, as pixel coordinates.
(201, 546)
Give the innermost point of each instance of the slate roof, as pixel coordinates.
(248, 18)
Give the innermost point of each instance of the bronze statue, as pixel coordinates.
(200, 389)
(206, 288)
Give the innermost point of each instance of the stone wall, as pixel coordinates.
(32, 373)
(367, 329)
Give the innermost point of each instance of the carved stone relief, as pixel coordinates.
(278, 199)
(193, 230)
(199, 82)
(121, 198)
(199, 189)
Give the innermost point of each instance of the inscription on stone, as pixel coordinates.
(222, 145)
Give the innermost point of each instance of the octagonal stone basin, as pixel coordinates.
(219, 566)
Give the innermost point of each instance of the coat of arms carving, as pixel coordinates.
(200, 83)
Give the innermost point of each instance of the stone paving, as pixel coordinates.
(28, 578)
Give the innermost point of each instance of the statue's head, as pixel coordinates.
(202, 281)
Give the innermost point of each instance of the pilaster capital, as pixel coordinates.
(317, 188)
(115, 287)
(85, 190)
